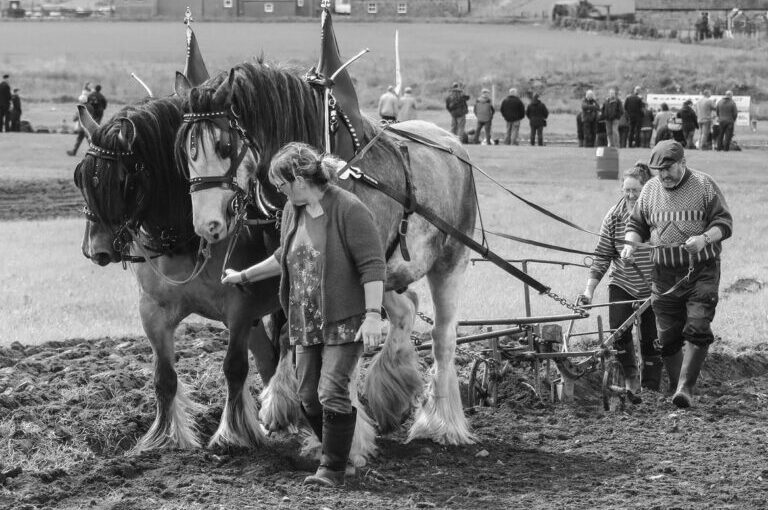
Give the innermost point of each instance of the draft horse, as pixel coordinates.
(236, 122)
(139, 211)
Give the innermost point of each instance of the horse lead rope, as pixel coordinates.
(203, 255)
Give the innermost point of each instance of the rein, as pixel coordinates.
(201, 260)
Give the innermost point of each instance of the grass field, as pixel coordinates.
(52, 292)
(50, 61)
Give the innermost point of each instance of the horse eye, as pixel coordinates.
(223, 149)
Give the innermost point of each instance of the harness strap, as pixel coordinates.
(409, 208)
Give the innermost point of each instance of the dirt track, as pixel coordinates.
(39, 199)
(69, 411)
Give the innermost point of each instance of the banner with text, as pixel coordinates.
(675, 102)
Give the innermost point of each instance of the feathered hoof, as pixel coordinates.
(440, 428)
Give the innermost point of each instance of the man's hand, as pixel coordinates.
(695, 244)
(370, 332)
(628, 253)
(585, 298)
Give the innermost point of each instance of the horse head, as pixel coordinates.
(235, 123)
(98, 243)
(127, 175)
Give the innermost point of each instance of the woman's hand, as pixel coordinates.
(233, 277)
(370, 332)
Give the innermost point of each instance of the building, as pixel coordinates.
(215, 10)
(372, 9)
(669, 14)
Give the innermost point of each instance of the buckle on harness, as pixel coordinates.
(403, 228)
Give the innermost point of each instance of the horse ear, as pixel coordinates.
(86, 121)
(182, 85)
(223, 94)
(127, 134)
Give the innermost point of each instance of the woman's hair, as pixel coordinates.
(300, 159)
(664, 107)
(639, 171)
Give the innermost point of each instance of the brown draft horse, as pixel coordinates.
(130, 184)
(269, 105)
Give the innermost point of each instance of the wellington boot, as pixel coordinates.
(338, 430)
(693, 360)
(652, 367)
(673, 364)
(315, 422)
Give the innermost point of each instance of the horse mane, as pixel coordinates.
(161, 200)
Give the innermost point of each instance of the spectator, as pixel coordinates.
(690, 123)
(705, 110)
(83, 98)
(579, 130)
(702, 27)
(484, 111)
(513, 111)
(407, 106)
(590, 109)
(633, 104)
(5, 103)
(685, 216)
(98, 103)
(727, 112)
(388, 105)
(646, 127)
(537, 114)
(623, 130)
(456, 104)
(15, 120)
(612, 113)
(626, 284)
(660, 121)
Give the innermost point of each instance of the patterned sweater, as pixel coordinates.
(622, 274)
(671, 216)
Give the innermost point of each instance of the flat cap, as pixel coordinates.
(664, 154)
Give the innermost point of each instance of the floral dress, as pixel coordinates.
(306, 261)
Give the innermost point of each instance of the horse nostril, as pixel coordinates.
(101, 259)
(216, 237)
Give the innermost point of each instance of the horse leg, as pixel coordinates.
(173, 425)
(263, 350)
(393, 381)
(280, 406)
(441, 417)
(239, 425)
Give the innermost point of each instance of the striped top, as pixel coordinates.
(622, 274)
(669, 216)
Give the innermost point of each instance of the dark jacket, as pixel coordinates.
(612, 109)
(5, 95)
(537, 113)
(512, 109)
(634, 106)
(688, 116)
(483, 109)
(727, 110)
(353, 254)
(16, 103)
(98, 104)
(590, 109)
(456, 103)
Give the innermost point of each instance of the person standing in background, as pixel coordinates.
(456, 104)
(5, 103)
(15, 120)
(407, 106)
(590, 109)
(705, 110)
(388, 105)
(612, 113)
(484, 111)
(727, 113)
(537, 114)
(633, 105)
(79, 131)
(513, 111)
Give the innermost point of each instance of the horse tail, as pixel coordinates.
(393, 381)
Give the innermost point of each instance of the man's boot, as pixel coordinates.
(652, 366)
(338, 430)
(315, 422)
(673, 364)
(693, 359)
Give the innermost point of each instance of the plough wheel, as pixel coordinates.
(483, 385)
(614, 393)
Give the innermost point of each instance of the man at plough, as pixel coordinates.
(684, 214)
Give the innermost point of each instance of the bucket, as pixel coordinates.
(607, 160)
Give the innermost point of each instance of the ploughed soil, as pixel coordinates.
(39, 199)
(70, 411)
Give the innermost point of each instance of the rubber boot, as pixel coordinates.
(652, 366)
(338, 430)
(673, 364)
(693, 359)
(626, 356)
(315, 422)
